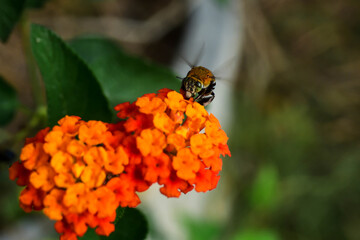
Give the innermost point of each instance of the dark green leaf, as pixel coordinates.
(71, 87)
(35, 3)
(132, 226)
(119, 214)
(10, 12)
(90, 235)
(122, 76)
(8, 102)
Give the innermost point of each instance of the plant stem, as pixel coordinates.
(25, 110)
(35, 80)
(37, 118)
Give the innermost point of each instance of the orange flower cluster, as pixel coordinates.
(80, 172)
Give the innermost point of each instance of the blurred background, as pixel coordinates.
(287, 94)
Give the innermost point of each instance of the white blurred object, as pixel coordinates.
(217, 28)
(213, 38)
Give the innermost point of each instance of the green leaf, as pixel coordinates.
(71, 87)
(8, 102)
(90, 235)
(131, 226)
(265, 189)
(122, 76)
(119, 214)
(10, 12)
(35, 3)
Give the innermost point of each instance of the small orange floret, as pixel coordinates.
(205, 179)
(125, 109)
(103, 202)
(176, 141)
(105, 226)
(173, 186)
(217, 135)
(151, 142)
(186, 164)
(61, 162)
(175, 101)
(70, 124)
(32, 155)
(75, 197)
(124, 191)
(93, 176)
(138, 122)
(54, 142)
(53, 204)
(78, 168)
(157, 167)
(93, 132)
(43, 178)
(64, 180)
(31, 198)
(196, 110)
(214, 162)
(115, 161)
(76, 148)
(27, 152)
(19, 172)
(201, 144)
(164, 123)
(150, 106)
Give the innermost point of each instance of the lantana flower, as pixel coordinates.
(79, 172)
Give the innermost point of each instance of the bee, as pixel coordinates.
(199, 84)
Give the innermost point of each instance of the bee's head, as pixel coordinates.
(192, 87)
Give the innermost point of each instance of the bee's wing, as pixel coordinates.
(197, 59)
(200, 54)
(187, 62)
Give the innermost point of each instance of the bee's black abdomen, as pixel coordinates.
(206, 100)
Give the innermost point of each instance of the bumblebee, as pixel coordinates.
(199, 84)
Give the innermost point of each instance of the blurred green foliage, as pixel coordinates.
(250, 234)
(200, 229)
(296, 145)
(264, 192)
(35, 3)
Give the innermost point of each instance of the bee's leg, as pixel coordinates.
(206, 100)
